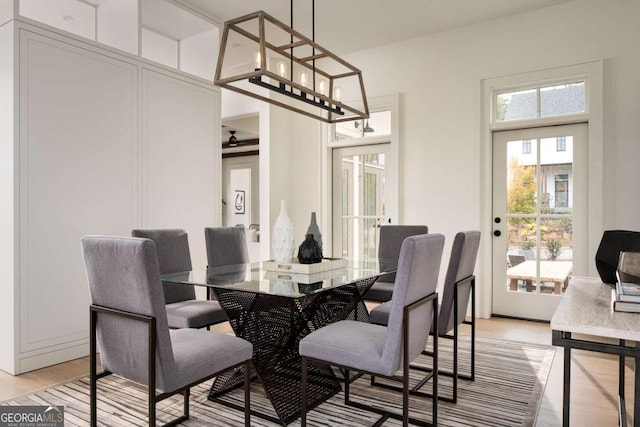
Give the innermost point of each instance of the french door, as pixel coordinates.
(360, 178)
(539, 217)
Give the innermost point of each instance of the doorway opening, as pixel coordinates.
(241, 178)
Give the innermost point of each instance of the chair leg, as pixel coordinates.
(247, 394)
(93, 380)
(303, 411)
(473, 329)
(186, 395)
(434, 402)
(405, 392)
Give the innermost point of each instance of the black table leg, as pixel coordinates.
(566, 394)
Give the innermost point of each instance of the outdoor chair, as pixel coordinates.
(515, 259)
(183, 309)
(128, 322)
(459, 287)
(383, 350)
(391, 238)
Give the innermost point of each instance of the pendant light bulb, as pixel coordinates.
(322, 87)
(258, 59)
(282, 69)
(337, 93)
(303, 78)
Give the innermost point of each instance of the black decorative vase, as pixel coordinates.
(309, 251)
(613, 242)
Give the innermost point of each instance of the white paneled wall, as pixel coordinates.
(180, 146)
(7, 193)
(106, 143)
(77, 176)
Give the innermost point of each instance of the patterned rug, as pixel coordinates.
(510, 381)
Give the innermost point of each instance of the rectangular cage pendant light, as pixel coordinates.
(265, 59)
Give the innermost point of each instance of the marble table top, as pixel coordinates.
(586, 308)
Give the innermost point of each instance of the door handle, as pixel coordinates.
(497, 233)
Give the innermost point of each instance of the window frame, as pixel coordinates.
(496, 125)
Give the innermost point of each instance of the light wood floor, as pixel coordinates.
(594, 376)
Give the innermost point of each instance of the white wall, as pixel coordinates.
(281, 162)
(199, 54)
(6, 11)
(74, 16)
(439, 80)
(118, 24)
(159, 48)
(305, 174)
(439, 77)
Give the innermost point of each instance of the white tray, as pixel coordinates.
(305, 278)
(295, 267)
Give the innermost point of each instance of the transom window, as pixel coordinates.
(379, 123)
(538, 102)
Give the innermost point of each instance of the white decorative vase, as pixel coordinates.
(282, 238)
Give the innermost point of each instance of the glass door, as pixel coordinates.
(359, 192)
(539, 214)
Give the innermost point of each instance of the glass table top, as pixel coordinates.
(256, 278)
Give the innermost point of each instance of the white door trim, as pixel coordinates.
(381, 103)
(592, 72)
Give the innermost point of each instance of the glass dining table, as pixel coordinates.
(274, 310)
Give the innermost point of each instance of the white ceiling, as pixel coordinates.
(350, 25)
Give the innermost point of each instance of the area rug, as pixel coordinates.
(510, 380)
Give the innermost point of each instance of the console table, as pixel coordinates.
(586, 308)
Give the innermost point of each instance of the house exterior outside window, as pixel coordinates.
(561, 143)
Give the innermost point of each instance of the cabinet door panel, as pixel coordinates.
(182, 151)
(78, 156)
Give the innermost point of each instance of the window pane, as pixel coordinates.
(378, 124)
(516, 106)
(521, 177)
(562, 99)
(556, 176)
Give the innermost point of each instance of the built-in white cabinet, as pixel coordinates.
(180, 134)
(163, 31)
(77, 167)
(91, 142)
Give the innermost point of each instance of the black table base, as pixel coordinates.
(275, 325)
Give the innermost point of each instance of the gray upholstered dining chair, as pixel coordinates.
(391, 238)
(458, 289)
(226, 246)
(183, 309)
(129, 325)
(382, 350)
